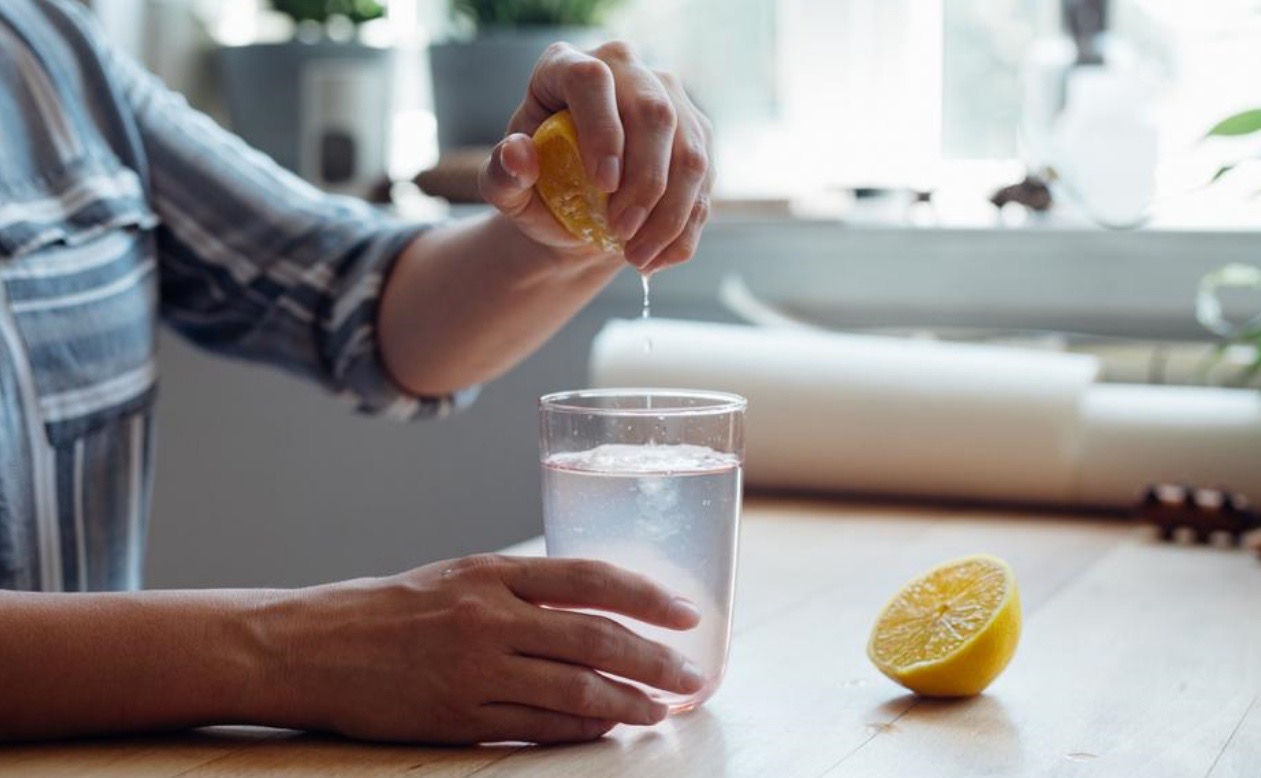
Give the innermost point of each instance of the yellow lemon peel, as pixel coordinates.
(564, 186)
(951, 631)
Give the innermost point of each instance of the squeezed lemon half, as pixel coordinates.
(564, 187)
(951, 631)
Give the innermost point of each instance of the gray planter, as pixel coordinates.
(478, 84)
(320, 109)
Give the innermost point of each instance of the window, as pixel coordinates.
(809, 95)
(818, 93)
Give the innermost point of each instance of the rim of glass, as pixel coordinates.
(721, 402)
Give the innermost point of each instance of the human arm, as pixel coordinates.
(460, 651)
(259, 265)
(467, 301)
(76, 664)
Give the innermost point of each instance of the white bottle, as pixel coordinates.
(1105, 146)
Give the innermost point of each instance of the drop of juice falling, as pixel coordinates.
(647, 309)
(644, 314)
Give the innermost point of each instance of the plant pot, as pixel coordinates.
(320, 109)
(478, 84)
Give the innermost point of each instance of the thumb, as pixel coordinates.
(507, 179)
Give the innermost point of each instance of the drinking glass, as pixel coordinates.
(650, 480)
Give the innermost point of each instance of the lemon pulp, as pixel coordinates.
(951, 631)
(563, 185)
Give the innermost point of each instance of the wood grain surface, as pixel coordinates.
(1137, 659)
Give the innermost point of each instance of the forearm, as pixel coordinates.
(467, 302)
(76, 664)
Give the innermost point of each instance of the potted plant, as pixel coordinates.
(318, 102)
(479, 77)
(1237, 336)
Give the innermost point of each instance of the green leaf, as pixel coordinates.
(1221, 171)
(1244, 123)
(358, 11)
(521, 13)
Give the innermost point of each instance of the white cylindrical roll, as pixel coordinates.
(1135, 435)
(851, 412)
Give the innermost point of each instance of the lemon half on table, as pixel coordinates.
(564, 187)
(950, 631)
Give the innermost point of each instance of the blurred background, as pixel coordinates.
(1062, 174)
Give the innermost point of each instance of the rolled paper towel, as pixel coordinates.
(866, 413)
(1136, 435)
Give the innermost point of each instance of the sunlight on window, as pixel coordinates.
(809, 94)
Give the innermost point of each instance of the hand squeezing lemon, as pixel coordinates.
(952, 630)
(565, 188)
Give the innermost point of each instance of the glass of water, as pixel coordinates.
(650, 480)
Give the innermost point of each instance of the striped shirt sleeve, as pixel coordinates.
(258, 264)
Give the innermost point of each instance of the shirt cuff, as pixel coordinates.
(358, 367)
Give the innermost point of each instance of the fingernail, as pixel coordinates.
(682, 610)
(510, 156)
(641, 255)
(657, 712)
(608, 174)
(505, 160)
(690, 677)
(632, 219)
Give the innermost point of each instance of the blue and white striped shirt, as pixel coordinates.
(120, 206)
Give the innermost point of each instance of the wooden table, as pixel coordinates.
(1138, 659)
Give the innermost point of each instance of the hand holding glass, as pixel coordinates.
(650, 480)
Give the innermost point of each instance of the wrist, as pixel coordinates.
(534, 261)
(260, 658)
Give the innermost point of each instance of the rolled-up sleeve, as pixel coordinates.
(258, 264)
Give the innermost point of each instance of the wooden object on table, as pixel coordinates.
(1204, 513)
(1032, 192)
(1138, 659)
(454, 177)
